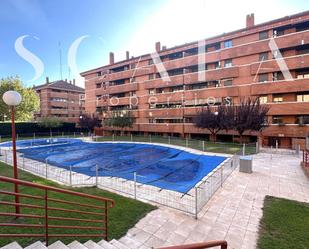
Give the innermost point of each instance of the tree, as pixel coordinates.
(212, 120)
(120, 119)
(50, 122)
(89, 122)
(249, 115)
(30, 101)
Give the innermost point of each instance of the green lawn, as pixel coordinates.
(122, 217)
(285, 224)
(230, 148)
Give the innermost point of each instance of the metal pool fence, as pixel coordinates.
(202, 145)
(191, 202)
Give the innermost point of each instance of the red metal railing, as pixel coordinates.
(202, 245)
(47, 206)
(306, 158)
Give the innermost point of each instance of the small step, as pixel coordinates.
(129, 242)
(36, 245)
(76, 245)
(106, 245)
(92, 245)
(13, 245)
(58, 245)
(118, 244)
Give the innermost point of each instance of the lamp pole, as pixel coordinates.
(12, 99)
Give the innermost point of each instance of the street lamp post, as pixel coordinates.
(13, 99)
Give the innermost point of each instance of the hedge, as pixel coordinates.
(33, 127)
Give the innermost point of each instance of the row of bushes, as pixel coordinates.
(33, 127)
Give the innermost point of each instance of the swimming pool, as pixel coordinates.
(156, 165)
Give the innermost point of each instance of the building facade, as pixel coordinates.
(61, 99)
(269, 61)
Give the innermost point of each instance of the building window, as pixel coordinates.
(228, 44)
(151, 76)
(99, 85)
(263, 99)
(302, 119)
(277, 76)
(277, 120)
(99, 74)
(151, 91)
(263, 35)
(277, 99)
(303, 97)
(133, 65)
(227, 82)
(263, 56)
(133, 79)
(228, 63)
(263, 77)
(150, 62)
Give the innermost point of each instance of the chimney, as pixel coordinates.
(47, 80)
(163, 47)
(74, 82)
(250, 20)
(66, 80)
(111, 58)
(127, 55)
(158, 46)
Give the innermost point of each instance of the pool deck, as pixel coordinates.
(234, 211)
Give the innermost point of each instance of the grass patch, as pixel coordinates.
(285, 224)
(121, 218)
(229, 148)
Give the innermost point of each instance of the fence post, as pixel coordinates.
(196, 208)
(46, 168)
(169, 139)
(257, 147)
(17, 136)
(150, 138)
(271, 152)
(5, 156)
(0, 139)
(70, 175)
(131, 137)
(203, 145)
(276, 146)
(113, 137)
(74, 134)
(221, 175)
(23, 161)
(62, 134)
(187, 142)
(135, 177)
(297, 149)
(96, 174)
(244, 149)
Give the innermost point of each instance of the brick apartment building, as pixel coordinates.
(238, 64)
(61, 99)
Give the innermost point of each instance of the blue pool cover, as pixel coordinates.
(160, 166)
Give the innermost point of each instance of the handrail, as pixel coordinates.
(59, 190)
(101, 212)
(201, 245)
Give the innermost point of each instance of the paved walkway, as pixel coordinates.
(234, 211)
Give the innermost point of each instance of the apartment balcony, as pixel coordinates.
(284, 41)
(297, 85)
(128, 87)
(287, 130)
(189, 78)
(166, 128)
(162, 113)
(59, 111)
(289, 108)
(293, 62)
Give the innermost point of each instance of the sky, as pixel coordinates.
(33, 32)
